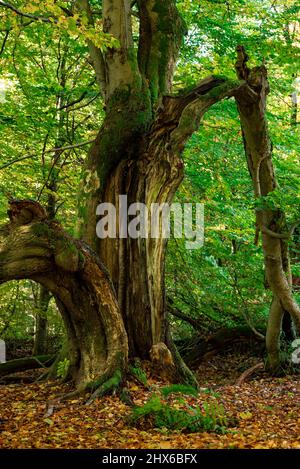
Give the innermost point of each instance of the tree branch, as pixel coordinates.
(184, 317)
(4, 41)
(187, 110)
(161, 33)
(96, 55)
(53, 150)
(273, 234)
(25, 15)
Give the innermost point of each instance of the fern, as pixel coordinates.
(190, 419)
(179, 388)
(62, 368)
(138, 374)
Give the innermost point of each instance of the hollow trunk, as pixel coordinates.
(137, 265)
(137, 154)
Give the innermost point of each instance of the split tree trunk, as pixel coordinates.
(138, 152)
(149, 170)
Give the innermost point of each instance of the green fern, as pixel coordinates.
(138, 374)
(211, 417)
(62, 368)
(179, 388)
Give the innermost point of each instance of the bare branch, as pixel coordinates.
(273, 234)
(4, 42)
(53, 150)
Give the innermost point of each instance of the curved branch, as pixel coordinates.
(190, 108)
(24, 14)
(33, 247)
(184, 317)
(273, 234)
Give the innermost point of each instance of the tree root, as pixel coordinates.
(249, 372)
(110, 385)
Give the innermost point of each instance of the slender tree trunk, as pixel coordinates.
(270, 220)
(51, 184)
(40, 338)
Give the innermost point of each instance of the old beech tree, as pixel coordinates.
(115, 309)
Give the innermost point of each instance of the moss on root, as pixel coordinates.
(109, 386)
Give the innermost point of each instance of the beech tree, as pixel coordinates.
(111, 292)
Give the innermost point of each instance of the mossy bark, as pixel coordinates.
(144, 162)
(86, 298)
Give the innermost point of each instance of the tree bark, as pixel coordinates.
(41, 323)
(31, 246)
(23, 364)
(149, 170)
(270, 220)
(138, 153)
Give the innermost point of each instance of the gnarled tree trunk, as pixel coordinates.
(138, 153)
(33, 247)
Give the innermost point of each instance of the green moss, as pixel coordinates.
(41, 229)
(81, 257)
(105, 383)
(222, 88)
(129, 114)
(66, 255)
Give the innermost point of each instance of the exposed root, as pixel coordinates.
(55, 402)
(111, 385)
(249, 372)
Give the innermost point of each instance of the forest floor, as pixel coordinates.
(266, 412)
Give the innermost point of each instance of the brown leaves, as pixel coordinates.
(266, 411)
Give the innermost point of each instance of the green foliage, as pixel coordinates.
(62, 368)
(179, 388)
(140, 375)
(183, 417)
